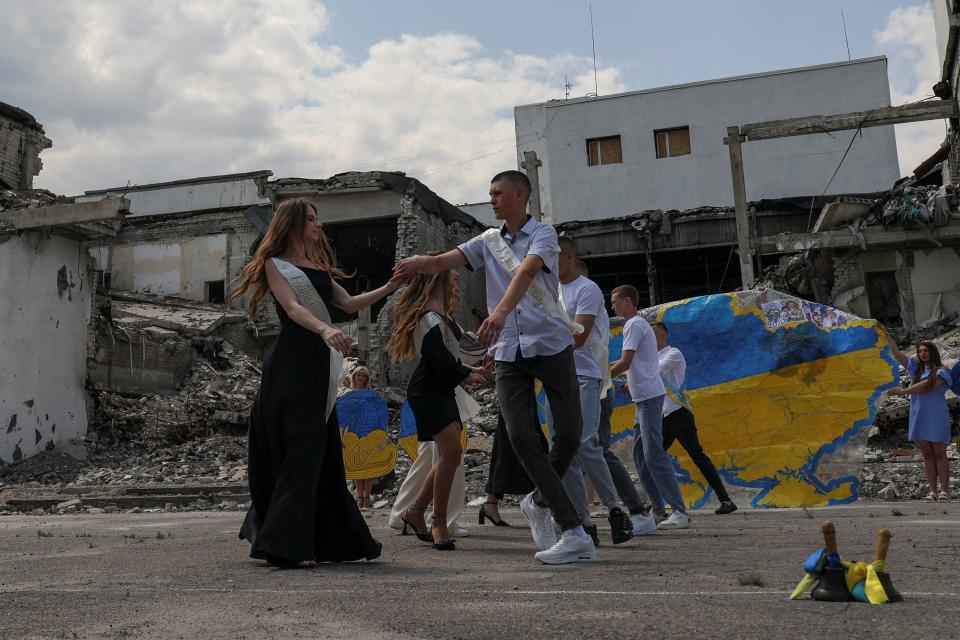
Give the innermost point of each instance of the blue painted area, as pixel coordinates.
(408, 424)
(712, 339)
(362, 411)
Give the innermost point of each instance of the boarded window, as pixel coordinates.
(673, 142)
(604, 151)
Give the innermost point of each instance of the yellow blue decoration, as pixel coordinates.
(772, 400)
(408, 432)
(367, 449)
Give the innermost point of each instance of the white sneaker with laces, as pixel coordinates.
(570, 548)
(677, 520)
(643, 525)
(540, 521)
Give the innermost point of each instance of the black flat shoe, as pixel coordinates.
(484, 515)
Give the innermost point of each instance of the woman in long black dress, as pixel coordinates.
(424, 326)
(301, 511)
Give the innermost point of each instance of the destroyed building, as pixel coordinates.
(47, 325)
(22, 140)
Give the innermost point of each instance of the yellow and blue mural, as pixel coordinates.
(367, 449)
(778, 385)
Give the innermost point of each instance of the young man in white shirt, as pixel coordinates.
(679, 423)
(585, 305)
(640, 362)
(529, 339)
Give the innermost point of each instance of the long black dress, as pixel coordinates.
(300, 506)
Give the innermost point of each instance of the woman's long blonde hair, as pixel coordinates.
(410, 307)
(288, 221)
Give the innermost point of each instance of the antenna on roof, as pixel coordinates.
(593, 41)
(566, 87)
(845, 38)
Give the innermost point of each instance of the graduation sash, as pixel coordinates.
(308, 298)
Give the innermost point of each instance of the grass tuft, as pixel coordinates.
(752, 579)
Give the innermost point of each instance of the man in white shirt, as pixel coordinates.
(585, 305)
(528, 335)
(640, 362)
(679, 423)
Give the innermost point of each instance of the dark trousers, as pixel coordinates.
(681, 425)
(506, 474)
(515, 386)
(622, 481)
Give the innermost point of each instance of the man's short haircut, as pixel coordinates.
(582, 266)
(627, 291)
(515, 179)
(567, 241)
(662, 325)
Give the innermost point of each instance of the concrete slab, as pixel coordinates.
(186, 575)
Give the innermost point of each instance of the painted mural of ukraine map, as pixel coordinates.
(783, 391)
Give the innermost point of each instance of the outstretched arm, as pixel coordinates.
(919, 387)
(621, 365)
(898, 355)
(489, 331)
(351, 304)
(408, 267)
(281, 290)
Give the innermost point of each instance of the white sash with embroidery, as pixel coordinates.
(308, 297)
(599, 351)
(537, 293)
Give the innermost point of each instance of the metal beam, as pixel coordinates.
(844, 239)
(918, 112)
(68, 213)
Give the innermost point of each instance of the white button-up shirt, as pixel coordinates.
(528, 326)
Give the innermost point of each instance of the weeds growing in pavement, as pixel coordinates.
(44, 534)
(752, 579)
(896, 512)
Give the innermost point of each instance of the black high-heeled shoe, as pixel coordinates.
(423, 537)
(443, 545)
(484, 515)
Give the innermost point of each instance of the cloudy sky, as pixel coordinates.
(145, 91)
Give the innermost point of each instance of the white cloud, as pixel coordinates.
(140, 91)
(909, 41)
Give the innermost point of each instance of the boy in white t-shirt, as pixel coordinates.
(639, 359)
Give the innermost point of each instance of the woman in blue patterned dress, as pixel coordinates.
(929, 417)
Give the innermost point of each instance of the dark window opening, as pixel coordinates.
(215, 291)
(367, 252)
(679, 274)
(673, 142)
(604, 151)
(883, 296)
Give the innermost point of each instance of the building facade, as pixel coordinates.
(663, 148)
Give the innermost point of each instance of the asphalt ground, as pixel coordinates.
(187, 575)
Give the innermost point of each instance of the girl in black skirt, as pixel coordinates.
(424, 326)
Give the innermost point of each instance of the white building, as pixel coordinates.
(663, 148)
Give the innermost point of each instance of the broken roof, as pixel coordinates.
(20, 116)
(360, 181)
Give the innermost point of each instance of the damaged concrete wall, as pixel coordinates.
(418, 232)
(935, 281)
(21, 142)
(47, 285)
(180, 268)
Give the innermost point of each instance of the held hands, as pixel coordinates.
(489, 331)
(407, 268)
(337, 340)
(479, 376)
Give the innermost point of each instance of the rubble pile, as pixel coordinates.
(215, 396)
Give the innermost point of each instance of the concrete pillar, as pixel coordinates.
(733, 142)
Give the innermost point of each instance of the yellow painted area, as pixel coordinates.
(768, 426)
(411, 445)
(371, 456)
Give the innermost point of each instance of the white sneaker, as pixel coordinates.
(643, 525)
(459, 532)
(677, 520)
(541, 523)
(571, 548)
